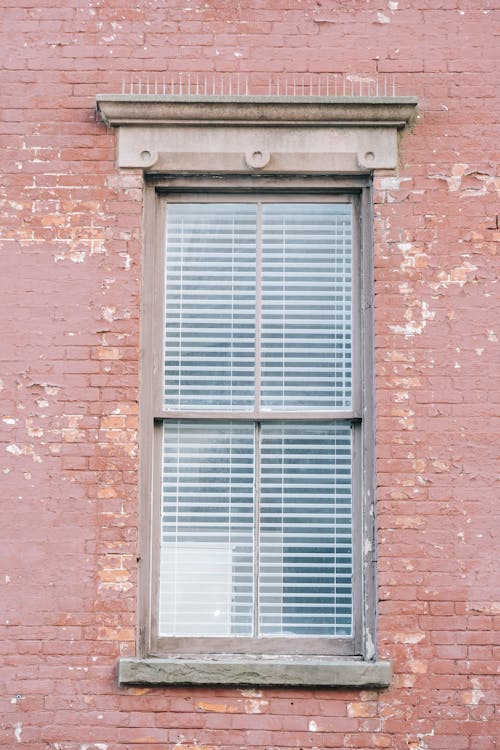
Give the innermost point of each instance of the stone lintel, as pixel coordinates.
(307, 135)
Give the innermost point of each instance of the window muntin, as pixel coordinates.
(260, 585)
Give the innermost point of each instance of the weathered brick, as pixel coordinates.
(70, 307)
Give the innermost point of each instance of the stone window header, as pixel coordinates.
(300, 135)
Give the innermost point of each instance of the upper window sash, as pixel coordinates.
(254, 287)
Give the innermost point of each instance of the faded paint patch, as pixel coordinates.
(14, 449)
(252, 693)
(391, 183)
(414, 326)
(108, 313)
(18, 730)
(459, 275)
(409, 638)
(419, 743)
(470, 182)
(473, 697)
(71, 433)
(255, 705)
(219, 708)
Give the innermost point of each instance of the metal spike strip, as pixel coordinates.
(239, 84)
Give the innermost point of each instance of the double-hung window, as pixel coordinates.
(257, 476)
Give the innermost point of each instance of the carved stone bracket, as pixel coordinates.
(301, 135)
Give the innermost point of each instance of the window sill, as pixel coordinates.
(293, 672)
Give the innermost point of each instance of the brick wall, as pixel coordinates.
(69, 309)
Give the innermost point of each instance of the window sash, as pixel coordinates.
(258, 411)
(273, 504)
(263, 644)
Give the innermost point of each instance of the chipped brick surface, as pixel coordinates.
(69, 384)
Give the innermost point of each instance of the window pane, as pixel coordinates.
(207, 529)
(305, 564)
(210, 306)
(306, 306)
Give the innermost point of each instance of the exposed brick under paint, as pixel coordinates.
(69, 307)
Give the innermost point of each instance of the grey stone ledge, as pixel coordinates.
(150, 109)
(292, 672)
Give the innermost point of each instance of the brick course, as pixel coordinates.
(71, 246)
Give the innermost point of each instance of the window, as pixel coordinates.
(257, 547)
(258, 421)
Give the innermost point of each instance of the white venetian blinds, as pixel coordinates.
(256, 546)
(207, 554)
(305, 540)
(210, 306)
(256, 533)
(306, 306)
(258, 294)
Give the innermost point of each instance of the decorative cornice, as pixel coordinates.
(149, 109)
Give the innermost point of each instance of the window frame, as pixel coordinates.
(237, 188)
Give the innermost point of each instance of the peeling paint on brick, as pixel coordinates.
(71, 240)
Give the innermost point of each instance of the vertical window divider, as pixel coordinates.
(257, 481)
(177, 462)
(258, 305)
(256, 551)
(181, 311)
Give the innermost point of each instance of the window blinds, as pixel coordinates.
(306, 306)
(212, 322)
(207, 553)
(210, 306)
(213, 544)
(257, 515)
(305, 529)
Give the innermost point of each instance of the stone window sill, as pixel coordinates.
(292, 672)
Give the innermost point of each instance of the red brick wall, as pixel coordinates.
(69, 311)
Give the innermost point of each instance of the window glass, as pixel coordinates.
(305, 580)
(256, 533)
(210, 306)
(306, 306)
(207, 549)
